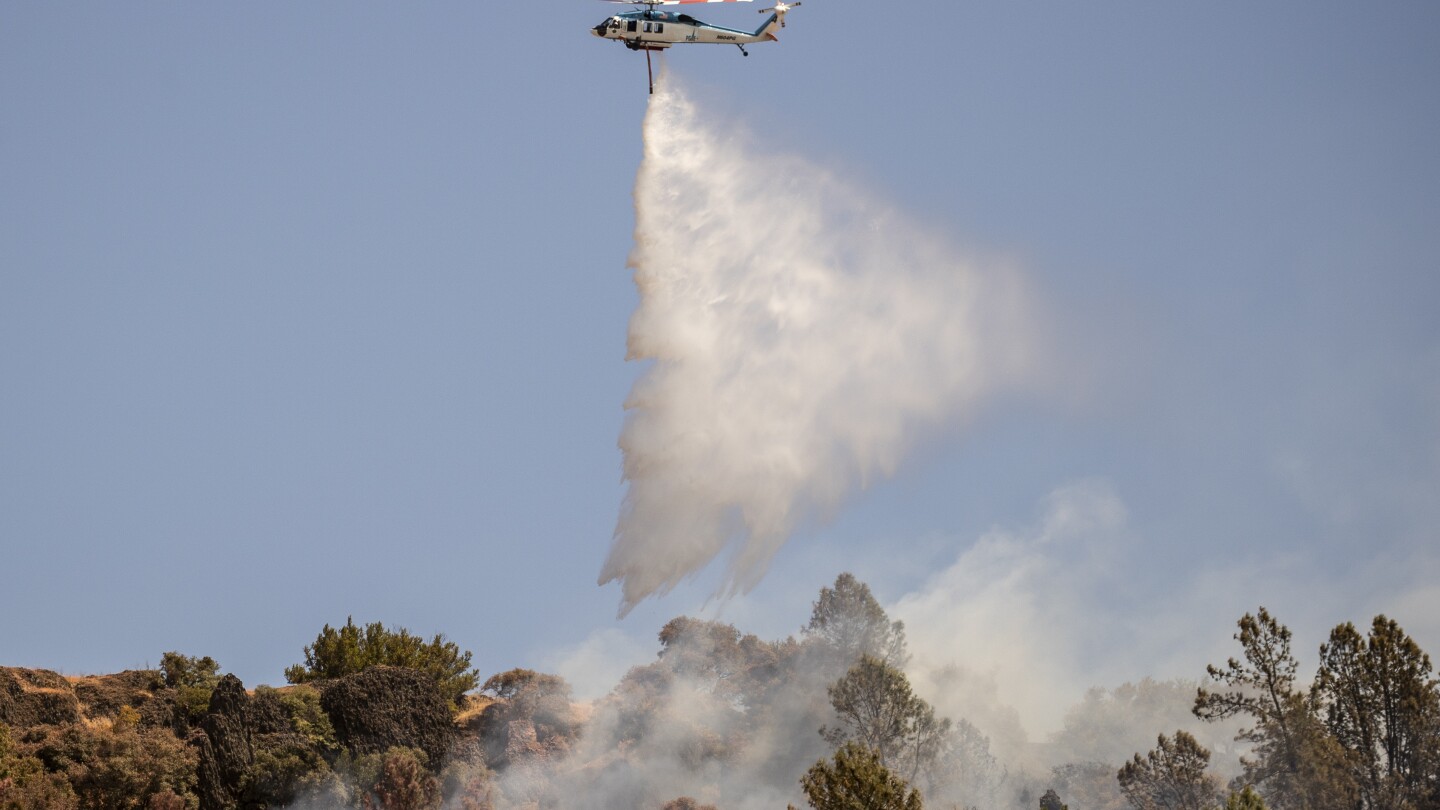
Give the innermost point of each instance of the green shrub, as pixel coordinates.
(120, 770)
(856, 780)
(279, 776)
(193, 680)
(350, 649)
(404, 783)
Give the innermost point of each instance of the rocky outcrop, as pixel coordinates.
(36, 697)
(384, 707)
(141, 689)
(209, 784)
(223, 744)
(533, 723)
(39, 697)
(521, 741)
(268, 716)
(103, 695)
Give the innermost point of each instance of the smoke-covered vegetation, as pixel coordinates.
(724, 720)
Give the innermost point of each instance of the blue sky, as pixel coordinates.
(317, 310)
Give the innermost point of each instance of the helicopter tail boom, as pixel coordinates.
(769, 27)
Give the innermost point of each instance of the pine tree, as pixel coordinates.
(856, 780)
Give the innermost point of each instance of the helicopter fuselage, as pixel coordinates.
(652, 30)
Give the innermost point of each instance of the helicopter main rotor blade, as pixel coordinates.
(670, 2)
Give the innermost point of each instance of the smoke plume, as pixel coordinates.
(803, 337)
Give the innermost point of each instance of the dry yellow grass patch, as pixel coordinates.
(471, 707)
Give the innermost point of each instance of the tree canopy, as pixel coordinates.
(1382, 706)
(193, 679)
(878, 709)
(1366, 735)
(849, 620)
(1246, 799)
(1172, 776)
(351, 649)
(856, 780)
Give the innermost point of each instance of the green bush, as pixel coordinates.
(350, 649)
(26, 785)
(308, 720)
(193, 680)
(279, 776)
(120, 770)
(404, 783)
(468, 785)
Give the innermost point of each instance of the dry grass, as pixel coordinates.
(30, 688)
(471, 707)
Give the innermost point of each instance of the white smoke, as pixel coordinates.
(804, 337)
(1013, 620)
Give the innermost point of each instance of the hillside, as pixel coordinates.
(723, 719)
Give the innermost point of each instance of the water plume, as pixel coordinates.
(803, 335)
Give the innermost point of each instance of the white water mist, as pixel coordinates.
(804, 337)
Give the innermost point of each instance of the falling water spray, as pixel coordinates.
(802, 338)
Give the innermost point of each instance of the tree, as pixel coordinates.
(1246, 799)
(467, 784)
(1091, 785)
(193, 679)
(1172, 776)
(307, 718)
(350, 649)
(403, 783)
(1382, 706)
(119, 770)
(1296, 761)
(849, 620)
(1052, 801)
(964, 772)
(857, 780)
(686, 803)
(735, 666)
(878, 709)
(1109, 725)
(26, 785)
(539, 698)
(513, 683)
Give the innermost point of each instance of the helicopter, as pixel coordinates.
(650, 30)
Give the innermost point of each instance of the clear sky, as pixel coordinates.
(312, 310)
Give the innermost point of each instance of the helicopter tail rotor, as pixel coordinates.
(780, 9)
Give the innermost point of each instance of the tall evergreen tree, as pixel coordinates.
(878, 709)
(857, 780)
(1382, 705)
(849, 620)
(1246, 799)
(1295, 762)
(1172, 776)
